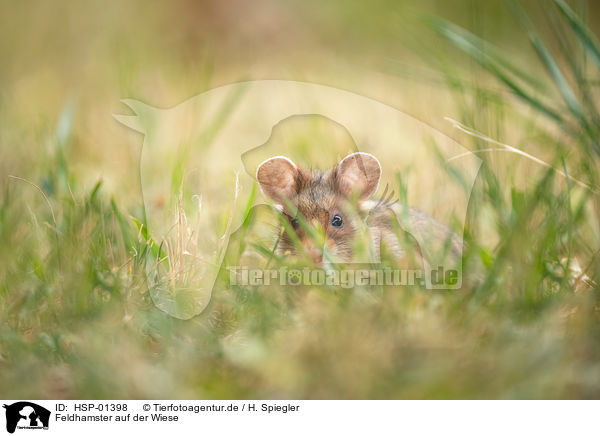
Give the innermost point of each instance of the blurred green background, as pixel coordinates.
(76, 320)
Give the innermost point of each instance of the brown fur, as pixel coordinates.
(318, 199)
(318, 196)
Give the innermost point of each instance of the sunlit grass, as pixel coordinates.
(85, 285)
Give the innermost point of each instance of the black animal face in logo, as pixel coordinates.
(26, 414)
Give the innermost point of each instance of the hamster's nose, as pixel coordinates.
(312, 251)
(316, 255)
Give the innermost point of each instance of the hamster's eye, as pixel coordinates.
(294, 222)
(337, 221)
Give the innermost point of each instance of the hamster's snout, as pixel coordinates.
(313, 244)
(312, 250)
(316, 255)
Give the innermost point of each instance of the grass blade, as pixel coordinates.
(548, 61)
(499, 67)
(584, 35)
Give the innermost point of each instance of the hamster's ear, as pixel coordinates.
(357, 173)
(278, 179)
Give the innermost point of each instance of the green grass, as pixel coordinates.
(78, 317)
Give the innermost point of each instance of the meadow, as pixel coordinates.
(514, 82)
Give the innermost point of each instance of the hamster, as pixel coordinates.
(336, 204)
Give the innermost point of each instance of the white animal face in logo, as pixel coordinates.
(192, 152)
(25, 414)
